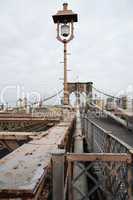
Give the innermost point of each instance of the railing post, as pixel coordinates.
(130, 182)
(70, 175)
(87, 131)
(83, 124)
(108, 144)
(92, 137)
(58, 174)
(130, 178)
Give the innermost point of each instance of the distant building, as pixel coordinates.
(110, 104)
(99, 102)
(19, 103)
(130, 105)
(22, 104)
(123, 102)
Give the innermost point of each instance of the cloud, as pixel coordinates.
(101, 51)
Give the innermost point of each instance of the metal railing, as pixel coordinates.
(114, 176)
(101, 140)
(108, 175)
(107, 168)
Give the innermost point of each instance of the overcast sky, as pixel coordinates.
(102, 50)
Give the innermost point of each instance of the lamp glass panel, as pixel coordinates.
(65, 30)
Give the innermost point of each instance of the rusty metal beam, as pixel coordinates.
(103, 157)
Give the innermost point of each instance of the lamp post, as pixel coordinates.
(65, 33)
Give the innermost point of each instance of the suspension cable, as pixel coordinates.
(48, 98)
(108, 95)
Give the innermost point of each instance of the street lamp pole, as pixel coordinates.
(66, 100)
(65, 33)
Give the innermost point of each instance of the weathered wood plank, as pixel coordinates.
(102, 157)
(29, 119)
(22, 171)
(21, 135)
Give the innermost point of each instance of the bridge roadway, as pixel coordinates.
(116, 129)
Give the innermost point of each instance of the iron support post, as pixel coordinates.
(58, 174)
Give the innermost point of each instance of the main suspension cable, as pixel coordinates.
(48, 98)
(108, 95)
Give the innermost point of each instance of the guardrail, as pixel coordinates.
(101, 140)
(118, 185)
(108, 168)
(108, 175)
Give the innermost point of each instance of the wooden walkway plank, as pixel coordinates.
(22, 171)
(21, 135)
(29, 119)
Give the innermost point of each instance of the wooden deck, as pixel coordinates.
(23, 171)
(21, 135)
(28, 119)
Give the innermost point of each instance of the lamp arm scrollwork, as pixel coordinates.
(72, 33)
(58, 33)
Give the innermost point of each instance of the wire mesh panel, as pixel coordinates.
(100, 140)
(110, 180)
(107, 177)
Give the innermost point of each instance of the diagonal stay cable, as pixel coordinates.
(48, 98)
(101, 92)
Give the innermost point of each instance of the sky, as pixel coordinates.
(30, 55)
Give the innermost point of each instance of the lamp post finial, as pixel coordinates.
(65, 6)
